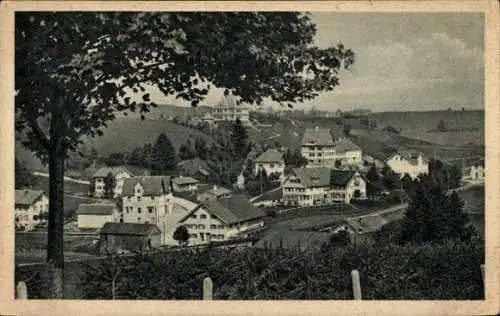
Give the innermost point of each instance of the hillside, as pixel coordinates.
(125, 134)
(418, 124)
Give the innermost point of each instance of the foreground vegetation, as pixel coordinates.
(444, 270)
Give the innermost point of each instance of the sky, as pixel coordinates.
(404, 62)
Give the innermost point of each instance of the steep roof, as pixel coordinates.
(104, 171)
(184, 180)
(152, 185)
(320, 136)
(270, 155)
(234, 209)
(321, 176)
(366, 224)
(228, 101)
(27, 197)
(344, 144)
(131, 229)
(476, 163)
(96, 209)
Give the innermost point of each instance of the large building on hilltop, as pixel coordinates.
(228, 110)
(321, 149)
(316, 186)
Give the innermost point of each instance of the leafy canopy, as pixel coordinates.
(75, 70)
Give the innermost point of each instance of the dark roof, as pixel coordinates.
(104, 171)
(27, 197)
(234, 209)
(152, 185)
(366, 224)
(476, 163)
(273, 195)
(96, 209)
(344, 144)
(132, 229)
(270, 155)
(192, 166)
(320, 136)
(184, 180)
(306, 240)
(321, 176)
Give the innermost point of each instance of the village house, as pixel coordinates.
(227, 218)
(362, 230)
(147, 200)
(321, 150)
(410, 162)
(184, 184)
(31, 208)
(317, 186)
(195, 167)
(228, 110)
(272, 161)
(474, 172)
(129, 237)
(98, 186)
(215, 193)
(96, 215)
(347, 153)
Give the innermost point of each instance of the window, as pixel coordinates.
(138, 199)
(213, 216)
(203, 216)
(127, 210)
(138, 219)
(139, 210)
(129, 198)
(146, 222)
(121, 220)
(271, 165)
(152, 198)
(150, 209)
(193, 236)
(213, 226)
(194, 216)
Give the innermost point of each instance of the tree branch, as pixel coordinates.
(44, 140)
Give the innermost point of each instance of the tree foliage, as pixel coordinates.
(239, 139)
(23, 177)
(109, 186)
(181, 234)
(163, 155)
(75, 70)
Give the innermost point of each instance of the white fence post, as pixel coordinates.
(207, 288)
(356, 286)
(22, 291)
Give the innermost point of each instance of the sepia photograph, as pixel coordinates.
(249, 155)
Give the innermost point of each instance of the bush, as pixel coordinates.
(447, 270)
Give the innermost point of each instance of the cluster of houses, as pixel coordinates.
(145, 210)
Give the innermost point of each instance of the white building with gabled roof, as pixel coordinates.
(228, 110)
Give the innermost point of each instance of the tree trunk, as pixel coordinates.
(55, 254)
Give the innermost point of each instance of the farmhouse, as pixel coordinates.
(184, 184)
(195, 167)
(98, 185)
(347, 153)
(362, 229)
(228, 110)
(321, 150)
(118, 237)
(147, 200)
(216, 220)
(406, 161)
(31, 208)
(272, 161)
(474, 172)
(96, 215)
(214, 193)
(316, 186)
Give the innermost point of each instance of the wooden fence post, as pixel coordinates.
(22, 291)
(207, 288)
(356, 286)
